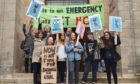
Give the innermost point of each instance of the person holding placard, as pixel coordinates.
(48, 34)
(92, 59)
(74, 52)
(49, 62)
(110, 56)
(38, 43)
(61, 64)
(47, 31)
(50, 40)
(28, 46)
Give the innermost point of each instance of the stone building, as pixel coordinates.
(12, 15)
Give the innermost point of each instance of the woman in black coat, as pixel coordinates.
(110, 56)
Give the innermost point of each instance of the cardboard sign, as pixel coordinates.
(115, 24)
(95, 22)
(49, 65)
(80, 29)
(34, 9)
(56, 25)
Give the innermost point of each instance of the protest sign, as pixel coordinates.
(115, 24)
(95, 22)
(56, 25)
(80, 29)
(49, 65)
(34, 9)
(71, 14)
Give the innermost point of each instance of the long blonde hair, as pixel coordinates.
(61, 41)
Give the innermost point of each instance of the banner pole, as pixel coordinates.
(77, 41)
(57, 38)
(115, 38)
(67, 77)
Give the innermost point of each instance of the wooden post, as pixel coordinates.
(115, 38)
(67, 75)
(77, 41)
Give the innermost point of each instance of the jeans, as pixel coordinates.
(73, 67)
(36, 72)
(88, 65)
(61, 67)
(28, 64)
(111, 68)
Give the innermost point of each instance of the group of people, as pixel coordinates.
(70, 51)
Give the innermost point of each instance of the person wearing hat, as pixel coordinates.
(91, 60)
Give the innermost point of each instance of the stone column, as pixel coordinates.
(12, 16)
(7, 35)
(21, 8)
(128, 48)
(136, 25)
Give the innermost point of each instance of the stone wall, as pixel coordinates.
(7, 35)
(12, 14)
(128, 10)
(21, 9)
(136, 26)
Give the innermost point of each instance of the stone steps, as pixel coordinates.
(22, 78)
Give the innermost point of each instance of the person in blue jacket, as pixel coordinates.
(74, 51)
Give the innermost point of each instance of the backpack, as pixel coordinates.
(28, 46)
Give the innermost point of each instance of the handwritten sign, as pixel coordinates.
(56, 25)
(49, 65)
(95, 22)
(115, 23)
(80, 29)
(34, 9)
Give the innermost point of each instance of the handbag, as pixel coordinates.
(97, 53)
(117, 56)
(101, 67)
